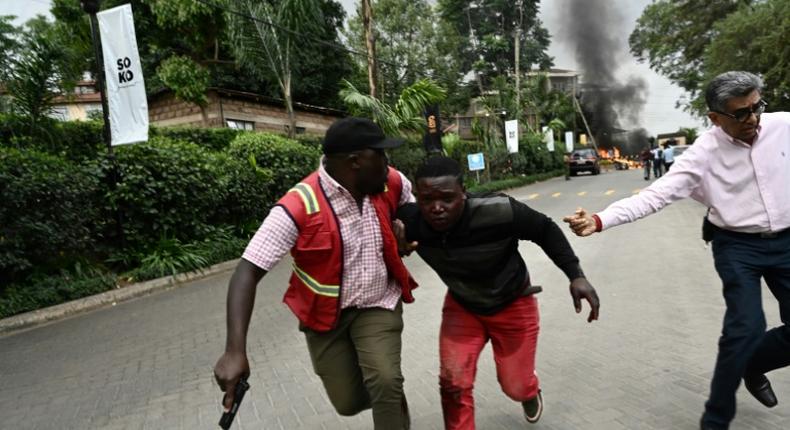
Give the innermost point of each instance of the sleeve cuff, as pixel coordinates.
(598, 224)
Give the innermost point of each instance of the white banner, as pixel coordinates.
(548, 137)
(124, 76)
(511, 135)
(568, 141)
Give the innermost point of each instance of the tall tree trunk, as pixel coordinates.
(289, 107)
(370, 42)
(203, 115)
(518, 46)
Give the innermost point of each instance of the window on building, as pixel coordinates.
(60, 113)
(299, 130)
(238, 124)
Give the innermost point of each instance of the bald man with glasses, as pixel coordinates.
(740, 170)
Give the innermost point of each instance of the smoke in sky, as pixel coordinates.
(594, 30)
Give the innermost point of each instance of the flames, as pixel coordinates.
(604, 153)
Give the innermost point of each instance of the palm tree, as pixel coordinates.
(405, 116)
(690, 133)
(267, 43)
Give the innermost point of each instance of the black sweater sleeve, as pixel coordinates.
(536, 227)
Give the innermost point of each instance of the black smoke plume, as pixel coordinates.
(596, 31)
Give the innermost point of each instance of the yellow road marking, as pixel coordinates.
(556, 194)
(636, 191)
(533, 196)
(581, 193)
(609, 193)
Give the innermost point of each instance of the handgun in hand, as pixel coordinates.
(238, 395)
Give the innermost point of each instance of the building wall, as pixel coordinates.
(169, 111)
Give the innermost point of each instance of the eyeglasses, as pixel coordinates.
(742, 115)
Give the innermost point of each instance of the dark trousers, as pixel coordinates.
(745, 348)
(359, 364)
(657, 168)
(647, 165)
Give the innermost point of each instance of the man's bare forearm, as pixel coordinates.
(241, 299)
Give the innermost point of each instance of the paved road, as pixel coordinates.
(646, 364)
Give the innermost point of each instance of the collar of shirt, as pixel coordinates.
(331, 186)
(721, 134)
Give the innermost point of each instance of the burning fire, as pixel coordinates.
(604, 153)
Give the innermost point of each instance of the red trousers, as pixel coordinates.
(514, 335)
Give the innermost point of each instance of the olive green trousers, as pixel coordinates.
(359, 363)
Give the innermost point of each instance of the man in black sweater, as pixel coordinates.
(472, 244)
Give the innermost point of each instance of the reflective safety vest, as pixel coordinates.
(316, 282)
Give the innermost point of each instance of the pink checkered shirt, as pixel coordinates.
(365, 280)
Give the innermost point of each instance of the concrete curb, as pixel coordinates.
(108, 298)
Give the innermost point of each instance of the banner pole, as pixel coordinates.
(91, 7)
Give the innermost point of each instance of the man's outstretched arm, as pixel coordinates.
(241, 298)
(540, 229)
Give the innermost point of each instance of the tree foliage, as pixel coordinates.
(267, 44)
(690, 41)
(491, 27)
(39, 67)
(755, 39)
(411, 44)
(404, 116)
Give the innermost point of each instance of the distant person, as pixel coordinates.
(646, 157)
(348, 281)
(472, 244)
(658, 160)
(567, 159)
(669, 156)
(740, 170)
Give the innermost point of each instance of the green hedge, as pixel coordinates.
(246, 193)
(72, 140)
(216, 139)
(48, 209)
(167, 188)
(288, 161)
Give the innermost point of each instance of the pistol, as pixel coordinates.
(238, 396)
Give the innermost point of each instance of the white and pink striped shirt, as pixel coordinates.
(746, 186)
(365, 280)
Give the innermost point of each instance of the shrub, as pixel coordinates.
(216, 139)
(48, 208)
(40, 290)
(246, 192)
(74, 140)
(166, 189)
(288, 160)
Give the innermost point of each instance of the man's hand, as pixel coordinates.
(581, 222)
(580, 288)
(404, 247)
(228, 370)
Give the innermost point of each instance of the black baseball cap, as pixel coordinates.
(352, 134)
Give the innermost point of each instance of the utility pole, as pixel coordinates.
(586, 126)
(370, 42)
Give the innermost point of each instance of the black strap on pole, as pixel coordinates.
(92, 7)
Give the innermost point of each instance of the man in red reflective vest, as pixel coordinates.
(348, 281)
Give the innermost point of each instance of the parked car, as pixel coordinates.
(584, 160)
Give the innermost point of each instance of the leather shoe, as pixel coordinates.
(761, 389)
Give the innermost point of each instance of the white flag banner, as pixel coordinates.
(548, 136)
(568, 141)
(124, 76)
(511, 135)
